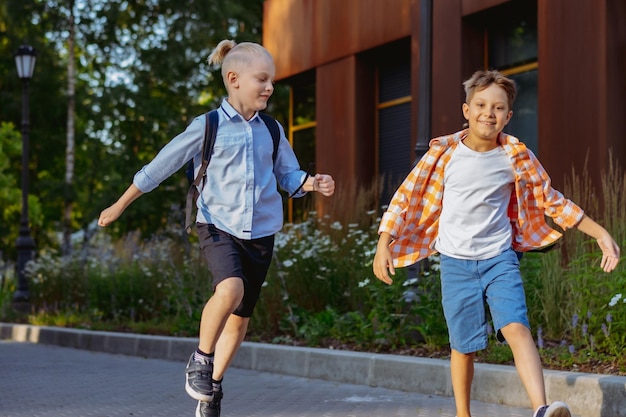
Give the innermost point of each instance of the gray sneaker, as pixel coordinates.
(198, 380)
(210, 408)
(556, 409)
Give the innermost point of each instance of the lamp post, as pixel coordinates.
(25, 245)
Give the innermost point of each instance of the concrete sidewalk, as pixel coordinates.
(50, 381)
(588, 395)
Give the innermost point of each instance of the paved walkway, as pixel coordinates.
(49, 381)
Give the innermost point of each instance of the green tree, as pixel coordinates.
(10, 193)
(141, 77)
(161, 85)
(20, 24)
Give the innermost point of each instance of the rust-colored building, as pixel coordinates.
(373, 80)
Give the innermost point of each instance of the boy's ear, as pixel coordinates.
(465, 108)
(232, 78)
(508, 116)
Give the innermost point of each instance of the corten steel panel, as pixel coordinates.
(447, 77)
(288, 34)
(345, 136)
(572, 87)
(303, 34)
(336, 120)
(616, 79)
(365, 127)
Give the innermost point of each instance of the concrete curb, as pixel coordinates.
(588, 395)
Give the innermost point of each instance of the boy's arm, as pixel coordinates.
(383, 262)
(565, 213)
(610, 250)
(110, 214)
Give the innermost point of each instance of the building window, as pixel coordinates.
(512, 48)
(394, 118)
(302, 126)
(524, 123)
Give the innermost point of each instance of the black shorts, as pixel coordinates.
(228, 256)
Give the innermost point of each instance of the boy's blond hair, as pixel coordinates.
(232, 55)
(484, 78)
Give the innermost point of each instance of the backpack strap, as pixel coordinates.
(272, 126)
(210, 131)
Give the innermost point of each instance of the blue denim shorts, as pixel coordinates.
(466, 286)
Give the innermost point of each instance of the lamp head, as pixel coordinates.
(25, 61)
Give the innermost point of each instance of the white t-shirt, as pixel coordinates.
(477, 188)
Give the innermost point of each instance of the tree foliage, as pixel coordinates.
(10, 193)
(142, 77)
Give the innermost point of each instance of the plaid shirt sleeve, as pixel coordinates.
(412, 218)
(394, 218)
(533, 200)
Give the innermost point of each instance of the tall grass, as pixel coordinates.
(123, 282)
(570, 294)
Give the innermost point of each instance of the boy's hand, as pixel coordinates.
(109, 215)
(383, 262)
(610, 252)
(324, 184)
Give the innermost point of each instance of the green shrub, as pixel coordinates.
(321, 291)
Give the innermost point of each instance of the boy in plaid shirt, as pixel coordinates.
(477, 197)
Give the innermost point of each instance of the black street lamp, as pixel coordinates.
(25, 245)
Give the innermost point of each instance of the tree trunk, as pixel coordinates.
(69, 150)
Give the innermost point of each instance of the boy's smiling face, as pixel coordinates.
(487, 113)
(252, 86)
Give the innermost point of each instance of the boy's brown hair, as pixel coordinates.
(484, 78)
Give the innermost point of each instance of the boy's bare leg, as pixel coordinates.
(462, 372)
(527, 362)
(228, 343)
(228, 294)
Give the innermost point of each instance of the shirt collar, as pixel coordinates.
(232, 114)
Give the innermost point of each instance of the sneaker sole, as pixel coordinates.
(198, 412)
(194, 394)
(558, 409)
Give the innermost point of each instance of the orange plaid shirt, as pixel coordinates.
(412, 217)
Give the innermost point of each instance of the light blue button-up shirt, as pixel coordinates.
(240, 195)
